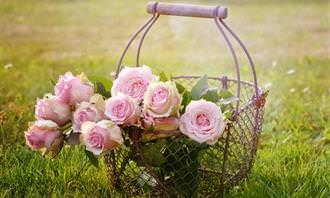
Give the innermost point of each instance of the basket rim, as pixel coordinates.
(226, 78)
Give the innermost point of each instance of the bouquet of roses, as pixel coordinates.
(88, 113)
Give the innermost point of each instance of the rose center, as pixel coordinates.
(83, 117)
(160, 96)
(136, 88)
(202, 120)
(96, 139)
(119, 110)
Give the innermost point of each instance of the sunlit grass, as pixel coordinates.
(41, 39)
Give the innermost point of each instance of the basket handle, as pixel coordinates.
(188, 10)
(156, 9)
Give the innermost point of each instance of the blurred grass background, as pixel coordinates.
(290, 43)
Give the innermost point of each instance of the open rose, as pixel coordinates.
(133, 82)
(101, 136)
(159, 124)
(43, 134)
(162, 99)
(122, 109)
(74, 89)
(88, 111)
(202, 122)
(50, 108)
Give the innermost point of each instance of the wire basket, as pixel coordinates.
(220, 166)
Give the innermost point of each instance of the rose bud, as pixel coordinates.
(101, 136)
(122, 109)
(43, 134)
(74, 89)
(159, 124)
(50, 108)
(133, 82)
(88, 111)
(202, 122)
(162, 99)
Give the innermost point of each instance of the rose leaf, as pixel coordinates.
(211, 95)
(163, 77)
(102, 90)
(93, 160)
(180, 87)
(153, 153)
(200, 88)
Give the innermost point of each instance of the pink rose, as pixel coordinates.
(50, 108)
(42, 134)
(74, 89)
(133, 82)
(202, 122)
(162, 99)
(101, 136)
(122, 109)
(159, 124)
(87, 112)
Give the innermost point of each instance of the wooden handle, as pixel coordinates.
(188, 10)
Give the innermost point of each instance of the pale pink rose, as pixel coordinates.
(87, 111)
(50, 108)
(122, 109)
(41, 134)
(133, 82)
(159, 124)
(74, 89)
(101, 136)
(202, 122)
(162, 99)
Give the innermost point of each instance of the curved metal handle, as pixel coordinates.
(189, 10)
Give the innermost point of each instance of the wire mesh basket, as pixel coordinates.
(220, 166)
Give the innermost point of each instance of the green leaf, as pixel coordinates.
(102, 90)
(226, 101)
(152, 153)
(211, 95)
(107, 83)
(180, 87)
(102, 85)
(186, 99)
(200, 88)
(224, 93)
(53, 82)
(93, 160)
(226, 97)
(163, 77)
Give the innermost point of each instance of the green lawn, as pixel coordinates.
(289, 41)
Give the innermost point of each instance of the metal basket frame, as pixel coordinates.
(234, 151)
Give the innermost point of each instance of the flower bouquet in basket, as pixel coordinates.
(140, 106)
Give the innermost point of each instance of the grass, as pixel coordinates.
(289, 41)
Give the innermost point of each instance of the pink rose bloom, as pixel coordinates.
(202, 122)
(50, 108)
(73, 89)
(42, 134)
(133, 82)
(162, 99)
(87, 112)
(101, 136)
(159, 124)
(122, 109)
